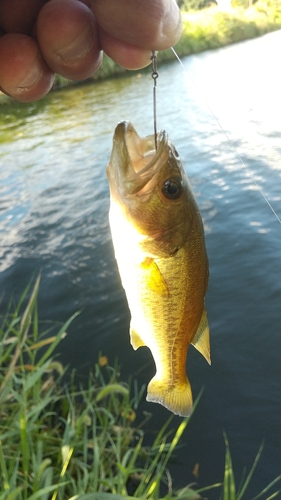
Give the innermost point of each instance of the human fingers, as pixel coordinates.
(24, 75)
(66, 25)
(66, 31)
(130, 29)
(67, 36)
(19, 16)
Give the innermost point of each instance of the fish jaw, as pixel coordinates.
(134, 160)
(136, 173)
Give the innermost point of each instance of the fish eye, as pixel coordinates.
(172, 188)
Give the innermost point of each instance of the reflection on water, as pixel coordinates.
(53, 217)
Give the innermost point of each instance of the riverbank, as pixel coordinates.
(213, 28)
(209, 29)
(63, 442)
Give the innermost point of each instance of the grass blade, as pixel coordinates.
(23, 332)
(265, 490)
(249, 477)
(57, 340)
(229, 489)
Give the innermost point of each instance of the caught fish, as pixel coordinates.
(158, 239)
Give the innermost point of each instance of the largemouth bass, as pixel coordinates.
(159, 245)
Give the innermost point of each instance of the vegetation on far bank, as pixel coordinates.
(63, 442)
(210, 28)
(213, 28)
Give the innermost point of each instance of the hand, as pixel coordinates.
(41, 37)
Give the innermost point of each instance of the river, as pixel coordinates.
(54, 202)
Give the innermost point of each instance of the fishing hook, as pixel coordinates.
(154, 75)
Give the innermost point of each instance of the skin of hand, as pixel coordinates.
(39, 38)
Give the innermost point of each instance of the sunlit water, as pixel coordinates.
(54, 203)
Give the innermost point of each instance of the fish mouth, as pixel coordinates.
(135, 160)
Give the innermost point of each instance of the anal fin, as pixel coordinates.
(201, 340)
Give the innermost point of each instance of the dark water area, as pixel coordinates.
(54, 202)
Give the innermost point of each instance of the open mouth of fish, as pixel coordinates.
(135, 159)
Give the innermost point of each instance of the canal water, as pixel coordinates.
(54, 202)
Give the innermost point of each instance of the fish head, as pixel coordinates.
(151, 187)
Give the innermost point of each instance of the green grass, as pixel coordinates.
(212, 28)
(63, 442)
(231, 491)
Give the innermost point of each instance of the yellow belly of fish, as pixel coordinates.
(166, 308)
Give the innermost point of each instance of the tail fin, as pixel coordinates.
(176, 398)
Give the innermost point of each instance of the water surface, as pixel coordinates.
(54, 202)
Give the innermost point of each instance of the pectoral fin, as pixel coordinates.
(201, 341)
(154, 278)
(136, 340)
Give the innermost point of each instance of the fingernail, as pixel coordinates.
(78, 48)
(172, 23)
(32, 77)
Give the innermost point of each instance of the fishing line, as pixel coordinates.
(227, 137)
(154, 75)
